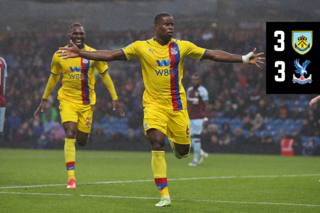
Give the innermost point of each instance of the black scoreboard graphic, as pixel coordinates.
(292, 58)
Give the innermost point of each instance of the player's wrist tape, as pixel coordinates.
(205, 119)
(246, 58)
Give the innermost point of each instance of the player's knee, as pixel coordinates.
(158, 145)
(82, 142)
(183, 151)
(70, 134)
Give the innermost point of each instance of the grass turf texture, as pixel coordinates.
(238, 194)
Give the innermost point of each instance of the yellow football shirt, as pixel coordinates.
(162, 70)
(78, 77)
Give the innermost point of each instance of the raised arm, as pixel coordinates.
(100, 55)
(314, 100)
(221, 56)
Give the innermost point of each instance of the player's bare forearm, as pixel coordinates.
(102, 55)
(221, 56)
(314, 100)
(52, 82)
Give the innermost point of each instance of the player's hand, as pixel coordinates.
(41, 106)
(313, 101)
(255, 59)
(69, 52)
(116, 104)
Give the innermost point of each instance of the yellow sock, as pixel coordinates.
(70, 156)
(159, 168)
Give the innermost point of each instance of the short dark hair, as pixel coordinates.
(196, 74)
(159, 16)
(74, 25)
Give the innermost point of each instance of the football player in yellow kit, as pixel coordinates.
(164, 99)
(77, 96)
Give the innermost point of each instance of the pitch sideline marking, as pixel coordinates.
(173, 179)
(153, 198)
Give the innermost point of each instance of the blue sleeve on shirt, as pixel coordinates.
(203, 93)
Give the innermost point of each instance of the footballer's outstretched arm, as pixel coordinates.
(100, 55)
(314, 100)
(221, 56)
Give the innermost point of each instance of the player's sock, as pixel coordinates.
(201, 152)
(70, 156)
(159, 168)
(196, 149)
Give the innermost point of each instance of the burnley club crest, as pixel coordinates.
(302, 41)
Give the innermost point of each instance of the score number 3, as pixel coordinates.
(279, 64)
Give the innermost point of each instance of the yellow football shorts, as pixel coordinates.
(174, 124)
(78, 113)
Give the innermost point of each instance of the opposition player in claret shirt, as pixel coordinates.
(164, 99)
(198, 101)
(3, 76)
(77, 96)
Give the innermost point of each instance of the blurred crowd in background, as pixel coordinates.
(240, 110)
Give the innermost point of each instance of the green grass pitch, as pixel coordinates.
(35, 181)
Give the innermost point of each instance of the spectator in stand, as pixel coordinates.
(241, 108)
(309, 149)
(212, 135)
(262, 108)
(14, 120)
(253, 138)
(246, 123)
(37, 129)
(116, 137)
(20, 137)
(295, 114)
(31, 141)
(282, 136)
(136, 120)
(48, 124)
(258, 123)
(297, 142)
(43, 141)
(229, 112)
(131, 138)
(283, 110)
(57, 133)
(226, 134)
(267, 140)
(239, 137)
(98, 139)
(304, 113)
(272, 111)
(217, 106)
(51, 112)
(305, 129)
(255, 97)
(315, 128)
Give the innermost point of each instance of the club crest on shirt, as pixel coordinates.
(196, 94)
(85, 61)
(146, 126)
(174, 51)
